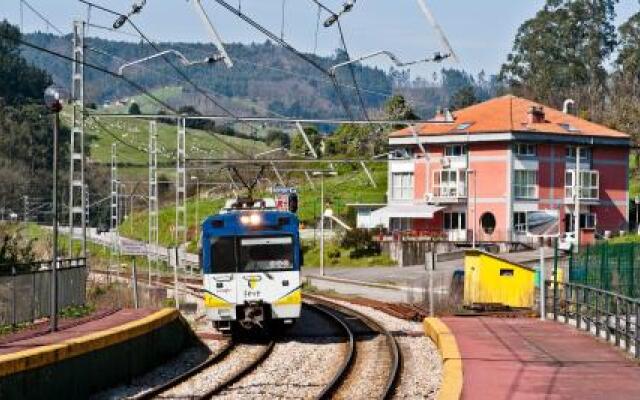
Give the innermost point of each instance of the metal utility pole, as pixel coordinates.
(577, 189)
(77, 198)
(322, 211)
(195, 178)
(153, 196)
(115, 209)
(322, 225)
(181, 185)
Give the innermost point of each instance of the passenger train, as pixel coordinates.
(251, 259)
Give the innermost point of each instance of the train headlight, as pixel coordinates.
(255, 219)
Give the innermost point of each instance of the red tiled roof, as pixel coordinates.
(510, 114)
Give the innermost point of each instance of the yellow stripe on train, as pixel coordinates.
(294, 297)
(211, 301)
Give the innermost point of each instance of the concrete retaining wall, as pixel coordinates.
(82, 366)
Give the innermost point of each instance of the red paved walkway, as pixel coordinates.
(531, 359)
(116, 319)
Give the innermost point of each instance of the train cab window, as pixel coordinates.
(223, 259)
(266, 254)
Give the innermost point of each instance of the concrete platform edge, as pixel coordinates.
(44, 355)
(83, 366)
(445, 341)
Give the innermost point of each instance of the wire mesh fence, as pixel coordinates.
(611, 267)
(25, 290)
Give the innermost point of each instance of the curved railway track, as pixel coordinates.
(338, 383)
(234, 353)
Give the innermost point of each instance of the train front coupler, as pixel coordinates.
(254, 314)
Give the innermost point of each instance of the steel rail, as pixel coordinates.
(392, 344)
(347, 362)
(172, 383)
(242, 373)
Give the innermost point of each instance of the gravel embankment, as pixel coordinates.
(179, 365)
(239, 358)
(422, 365)
(298, 368)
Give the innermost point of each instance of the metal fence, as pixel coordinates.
(25, 290)
(606, 314)
(611, 267)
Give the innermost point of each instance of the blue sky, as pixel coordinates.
(481, 31)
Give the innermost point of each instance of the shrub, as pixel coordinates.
(361, 242)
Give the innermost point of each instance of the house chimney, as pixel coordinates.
(443, 115)
(535, 115)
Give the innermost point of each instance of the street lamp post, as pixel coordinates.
(53, 97)
(322, 174)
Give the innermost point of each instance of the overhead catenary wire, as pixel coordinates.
(290, 48)
(346, 52)
(164, 57)
(94, 67)
(106, 71)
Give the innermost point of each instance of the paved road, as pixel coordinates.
(530, 359)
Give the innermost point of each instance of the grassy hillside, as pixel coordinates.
(132, 138)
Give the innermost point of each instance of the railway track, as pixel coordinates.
(237, 361)
(356, 368)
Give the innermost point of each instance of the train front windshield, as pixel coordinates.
(252, 254)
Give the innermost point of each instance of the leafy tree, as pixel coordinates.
(464, 97)
(20, 81)
(298, 145)
(134, 109)
(562, 51)
(396, 108)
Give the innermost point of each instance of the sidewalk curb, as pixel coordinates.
(445, 341)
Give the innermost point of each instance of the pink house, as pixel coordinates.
(485, 167)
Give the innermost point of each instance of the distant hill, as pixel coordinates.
(265, 76)
(265, 79)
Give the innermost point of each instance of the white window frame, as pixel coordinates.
(587, 220)
(402, 185)
(585, 153)
(525, 190)
(587, 192)
(520, 222)
(454, 221)
(399, 224)
(453, 186)
(525, 149)
(455, 150)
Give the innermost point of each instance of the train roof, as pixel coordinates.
(251, 221)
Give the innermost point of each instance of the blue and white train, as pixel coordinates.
(251, 258)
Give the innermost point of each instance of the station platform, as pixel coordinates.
(69, 329)
(518, 358)
(86, 356)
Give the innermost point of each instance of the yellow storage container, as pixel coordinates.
(492, 279)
